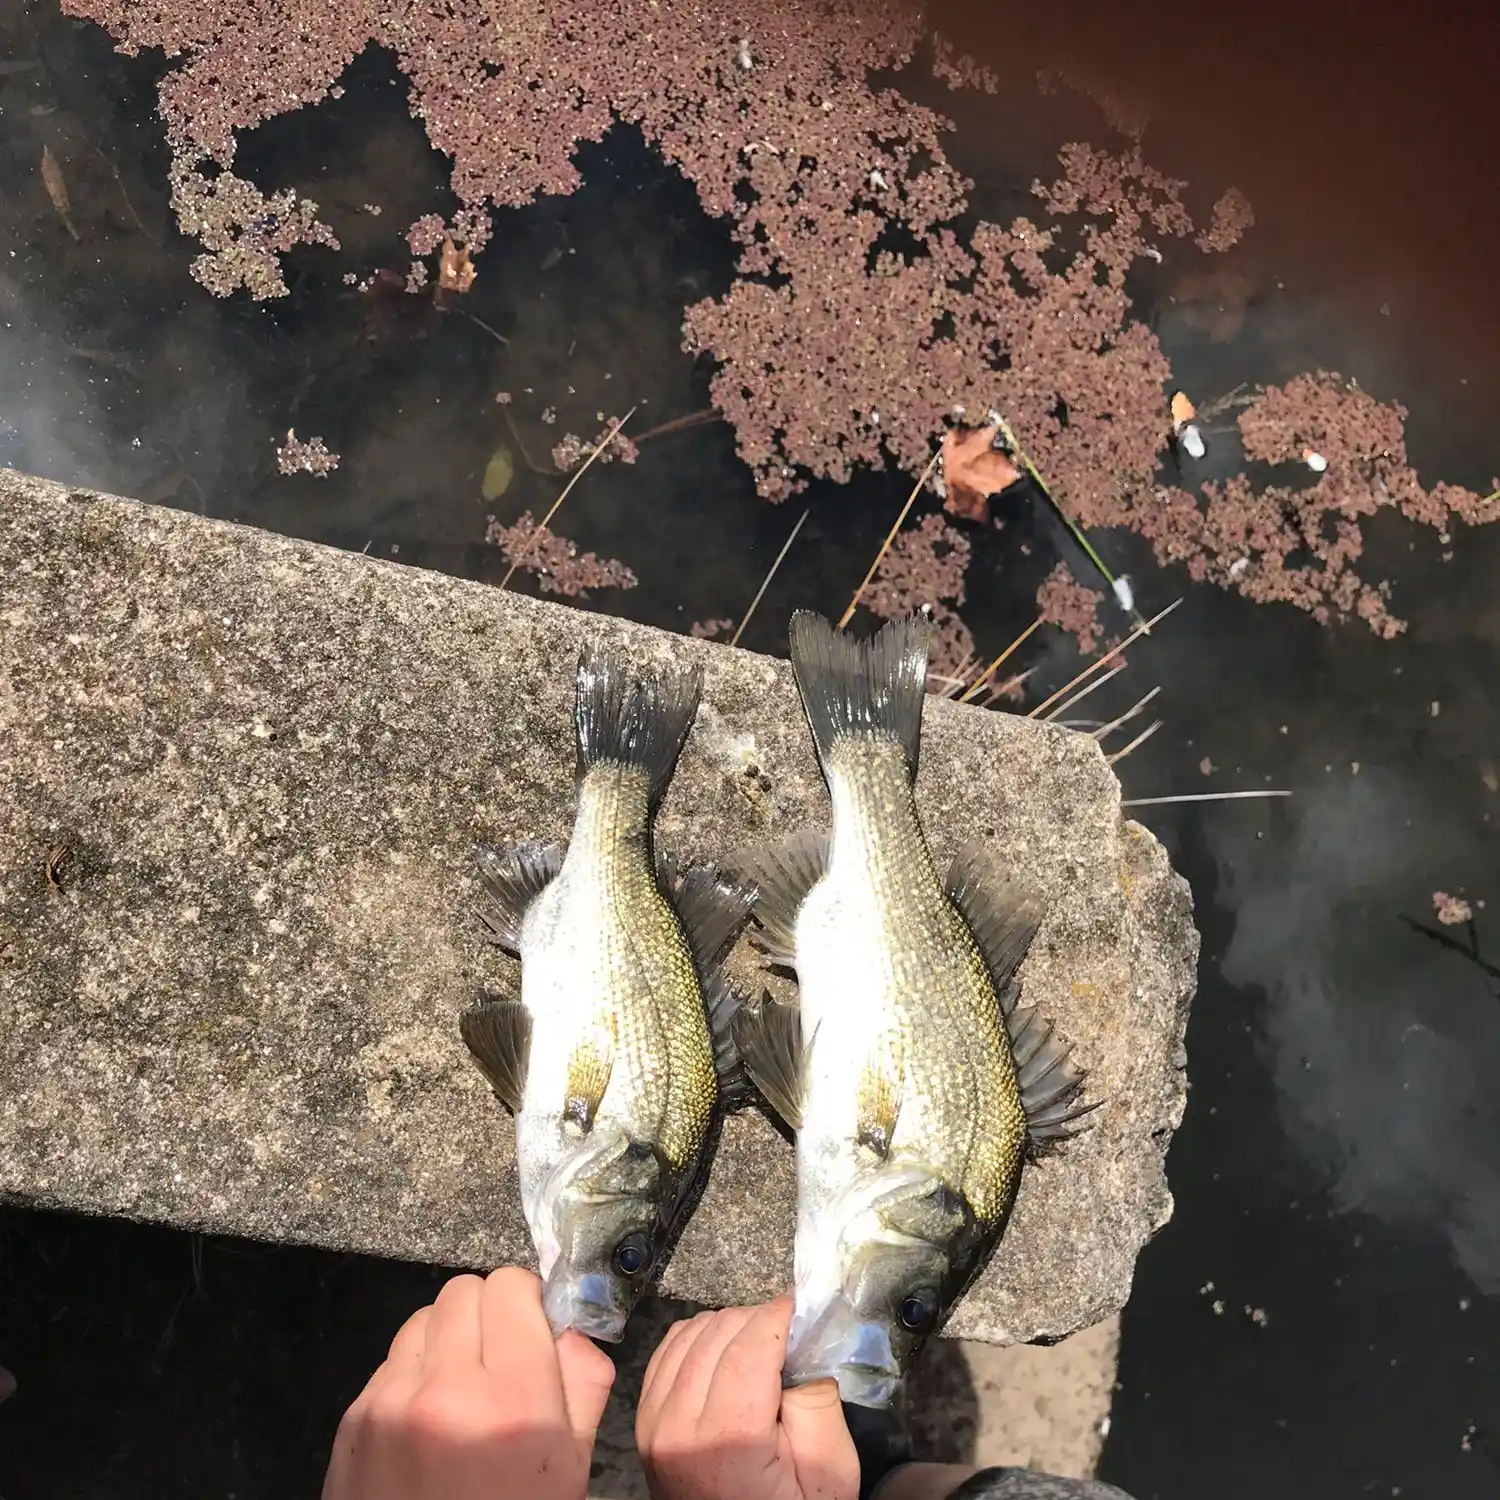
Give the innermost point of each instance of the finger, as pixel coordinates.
(696, 1373)
(452, 1332)
(587, 1373)
(411, 1339)
(823, 1454)
(661, 1375)
(518, 1347)
(745, 1393)
(402, 1371)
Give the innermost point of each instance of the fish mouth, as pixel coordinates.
(587, 1303)
(834, 1343)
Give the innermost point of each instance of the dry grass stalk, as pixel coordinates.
(786, 547)
(597, 449)
(916, 490)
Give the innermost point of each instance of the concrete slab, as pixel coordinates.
(231, 1004)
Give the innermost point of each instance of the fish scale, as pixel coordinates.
(632, 955)
(960, 1102)
(612, 1056)
(914, 1083)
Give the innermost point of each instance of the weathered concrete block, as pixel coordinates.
(270, 760)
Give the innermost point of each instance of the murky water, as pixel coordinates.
(1322, 1313)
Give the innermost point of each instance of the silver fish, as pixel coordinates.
(613, 1055)
(915, 1084)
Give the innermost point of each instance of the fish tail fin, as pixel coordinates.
(862, 690)
(627, 719)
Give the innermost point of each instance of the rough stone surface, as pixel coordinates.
(269, 761)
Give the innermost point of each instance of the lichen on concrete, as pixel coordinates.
(231, 1005)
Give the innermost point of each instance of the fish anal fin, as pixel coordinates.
(768, 1038)
(497, 1032)
(513, 878)
(589, 1067)
(782, 875)
(862, 690)
(1002, 916)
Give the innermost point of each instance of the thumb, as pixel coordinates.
(588, 1373)
(822, 1450)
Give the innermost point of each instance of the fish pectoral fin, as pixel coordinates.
(589, 1067)
(781, 876)
(1002, 916)
(877, 1101)
(712, 907)
(513, 878)
(768, 1038)
(497, 1032)
(1050, 1083)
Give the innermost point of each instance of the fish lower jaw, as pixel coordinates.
(829, 1341)
(859, 1385)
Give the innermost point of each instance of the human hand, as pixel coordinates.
(714, 1423)
(475, 1401)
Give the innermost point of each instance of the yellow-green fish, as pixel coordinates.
(612, 1057)
(916, 1086)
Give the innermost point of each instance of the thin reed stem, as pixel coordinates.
(582, 469)
(786, 547)
(885, 547)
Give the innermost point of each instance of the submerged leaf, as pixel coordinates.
(973, 470)
(455, 272)
(57, 189)
(498, 473)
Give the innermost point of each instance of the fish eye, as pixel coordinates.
(633, 1254)
(919, 1310)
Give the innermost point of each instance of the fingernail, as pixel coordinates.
(815, 1394)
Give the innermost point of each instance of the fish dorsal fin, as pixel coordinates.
(1050, 1083)
(768, 1037)
(862, 690)
(782, 875)
(497, 1031)
(514, 877)
(712, 906)
(625, 718)
(1004, 920)
(1002, 916)
(722, 1003)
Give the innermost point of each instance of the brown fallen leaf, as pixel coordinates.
(973, 470)
(57, 189)
(455, 273)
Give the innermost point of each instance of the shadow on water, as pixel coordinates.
(1321, 1313)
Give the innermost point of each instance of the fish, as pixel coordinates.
(617, 1056)
(915, 1082)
